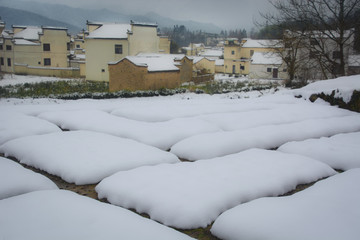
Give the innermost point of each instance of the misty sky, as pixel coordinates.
(227, 14)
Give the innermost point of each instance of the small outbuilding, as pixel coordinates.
(149, 72)
(267, 65)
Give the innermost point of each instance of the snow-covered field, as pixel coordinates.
(134, 148)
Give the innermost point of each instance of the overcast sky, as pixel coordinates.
(227, 14)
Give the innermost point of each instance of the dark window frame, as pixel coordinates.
(9, 62)
(118, 49)
(2, 62)
(8, 47)
(46, 47)
(47, 61)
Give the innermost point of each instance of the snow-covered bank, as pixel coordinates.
(83, 157)
(343, 87)
(16, 180)
(328, 210)
(190, 195)
(339, 151)
(59, 215)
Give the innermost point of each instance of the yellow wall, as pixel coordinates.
(28, 54)
(99, 52)
(58, 40)
(42, 71)
(143, 39)
(164, 46)
(206, 64)
(127, 76)
(5, 54)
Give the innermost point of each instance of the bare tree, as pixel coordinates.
(325, 28)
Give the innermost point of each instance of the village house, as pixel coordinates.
(203, 65)
(36, 51)
(194, 49)
(267, 65)
(111, 42)
(237, 55)
(149, 72)
(320, 48)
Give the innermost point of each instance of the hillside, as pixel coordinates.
(13, 16)
(77, 17)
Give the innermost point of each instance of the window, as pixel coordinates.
(232, 52)
(46, 46)
(77, 45)
(2, 61)
(268, 69)
(242, 67)
(284, 70)
(68, 46)
(1, 47)
(8, 47)
(118, 49)
(251, 53)
(9, 62)
(47, 62)
(336, 54)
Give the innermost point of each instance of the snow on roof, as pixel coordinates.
(219, 62)
(24, 42)
(198, 59)
(111, 31)
(154, 63)
(256, 43)
(266, 58)
(29, 33)
(212, 53)
(174, 57)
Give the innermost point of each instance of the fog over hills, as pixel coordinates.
(35, 13)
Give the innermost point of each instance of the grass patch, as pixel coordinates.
(79, 89)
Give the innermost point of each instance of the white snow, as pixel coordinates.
(340, 151)
(191, 195)
(24, 42)
(216, 144)
(111, 31)
(261, 43)
(59, 215)
(10, 79)
(16, 180)
(154, 63)
(343, 87)
(266, 58)
(29, 33)
(328, 210)
(83, 157)
(159, 134)
(14, 125)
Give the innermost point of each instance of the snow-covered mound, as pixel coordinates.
(330, 210)
(84, 157)
(193, 194)
(268, 136)
(59, 215)
(14, 125)
(343, 87)
(341, 151)
(158, 134)
(16, 180)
